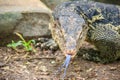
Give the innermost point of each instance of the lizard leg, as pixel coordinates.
(46, 43)
(89, 54)
(107, 41)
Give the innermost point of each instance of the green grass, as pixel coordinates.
(27, 45)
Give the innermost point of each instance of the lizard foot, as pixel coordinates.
(46, 43)
(94, 55)
(90, 54)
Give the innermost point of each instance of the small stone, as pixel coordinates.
(52, 62)
(43, 68)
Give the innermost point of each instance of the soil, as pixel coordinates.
(44, 64)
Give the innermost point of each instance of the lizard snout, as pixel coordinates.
(71, 52)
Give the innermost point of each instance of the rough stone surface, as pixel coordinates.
(52, 3)
(29, 17)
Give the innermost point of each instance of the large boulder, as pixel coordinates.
(29, 17)
(53, 3)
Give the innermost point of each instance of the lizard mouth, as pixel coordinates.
(72, 53)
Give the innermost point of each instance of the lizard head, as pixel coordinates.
(69, 32)
(69, 28)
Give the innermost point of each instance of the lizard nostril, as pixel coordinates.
(71, 52)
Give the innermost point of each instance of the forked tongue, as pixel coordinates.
(65, 65)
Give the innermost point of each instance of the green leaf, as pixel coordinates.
(31, 41)
(27, 45)
(14, 45)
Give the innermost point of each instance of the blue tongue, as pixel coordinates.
(65, 65)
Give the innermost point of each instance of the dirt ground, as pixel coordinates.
(44, 64)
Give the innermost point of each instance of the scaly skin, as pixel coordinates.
(97, 23)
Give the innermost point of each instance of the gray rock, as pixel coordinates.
(8, 21)
(29, 17)
(52, 3)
